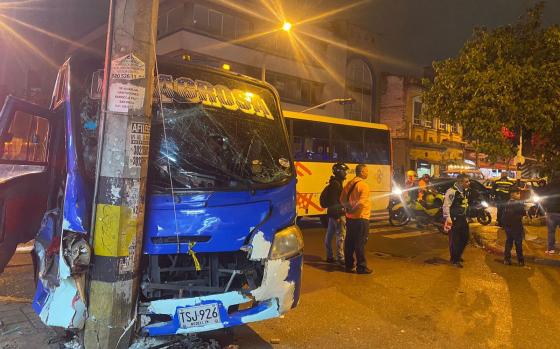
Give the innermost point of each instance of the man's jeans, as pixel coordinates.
(336, 228)
(552, 221)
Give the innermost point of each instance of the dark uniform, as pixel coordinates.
(501, 189)
(513, 224)
(455, 205)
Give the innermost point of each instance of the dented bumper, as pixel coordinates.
(278, 293)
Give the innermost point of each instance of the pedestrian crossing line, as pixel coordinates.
(409, 234)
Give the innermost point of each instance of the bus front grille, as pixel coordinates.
(175, 276)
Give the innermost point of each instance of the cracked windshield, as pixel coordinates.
(219, 133)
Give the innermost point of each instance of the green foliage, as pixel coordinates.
(506, 77)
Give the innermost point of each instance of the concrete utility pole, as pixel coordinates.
(124, 134)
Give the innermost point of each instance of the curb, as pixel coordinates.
(499, 250)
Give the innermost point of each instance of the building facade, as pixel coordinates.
(425, 146)
(308, 66)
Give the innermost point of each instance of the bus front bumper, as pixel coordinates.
(278, 293)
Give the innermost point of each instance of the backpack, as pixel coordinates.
(324, 198)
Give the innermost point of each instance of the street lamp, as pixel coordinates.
(341, 101)
(286, 27)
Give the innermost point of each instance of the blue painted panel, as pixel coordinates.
(296, 267)
(77, 195)
(225, 217)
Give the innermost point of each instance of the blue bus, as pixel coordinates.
(219, 233)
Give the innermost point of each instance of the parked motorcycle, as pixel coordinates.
(480, 212)
(403, 211)
(535, 208)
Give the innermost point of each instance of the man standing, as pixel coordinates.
(550, 196)
(501, 189)
(335, 212)
(455, 207)
(423, 187)
(355, 198)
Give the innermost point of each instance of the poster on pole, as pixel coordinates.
(128, 67)
(125, 97)
(138, 144)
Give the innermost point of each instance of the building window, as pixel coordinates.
(416, 110)
(295, 90)
(443, 126)
(455, 128)
(359, 86)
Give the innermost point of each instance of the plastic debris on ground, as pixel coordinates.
(175, 342)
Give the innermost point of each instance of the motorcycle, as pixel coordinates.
(535, 209)
(479, 211)
(402, 211)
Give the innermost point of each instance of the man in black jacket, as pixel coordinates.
(501, 189)
(550, 196)
(514, 210)
(335, 212)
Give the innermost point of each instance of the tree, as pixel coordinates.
(506, 78)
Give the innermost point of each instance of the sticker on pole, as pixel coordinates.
(128, 67)
(125, 97)
(138, 144)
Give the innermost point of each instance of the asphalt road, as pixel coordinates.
(414, 299)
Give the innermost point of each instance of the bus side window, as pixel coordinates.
(311, 141)
(377, 147)
(28, 138)
(347, 144)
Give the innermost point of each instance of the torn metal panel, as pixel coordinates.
(64, 306)
(260, 247)
(274, 284)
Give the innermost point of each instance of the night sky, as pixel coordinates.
(421, 31)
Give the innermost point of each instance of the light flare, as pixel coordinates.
(49, 34)
(357, 50)
(339, 80)
(332, 12)
(28, 44)
(243, 9)
(240, 40)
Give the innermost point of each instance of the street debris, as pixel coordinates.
(7, 332)
(175, 342)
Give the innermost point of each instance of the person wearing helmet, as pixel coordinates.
(337, 221)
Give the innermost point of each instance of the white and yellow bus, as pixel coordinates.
(318, 142)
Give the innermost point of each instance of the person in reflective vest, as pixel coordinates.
(455, 207)
(501, 189)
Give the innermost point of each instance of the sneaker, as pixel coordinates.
(365, 270)
(507, 262)
(458, 265)
(550, 252)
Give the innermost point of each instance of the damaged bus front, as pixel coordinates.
(220, 246)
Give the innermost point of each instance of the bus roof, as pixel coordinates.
(330, 120)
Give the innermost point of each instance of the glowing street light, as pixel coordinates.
(287, 26)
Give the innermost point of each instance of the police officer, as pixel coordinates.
(455, 207)
(501, 189)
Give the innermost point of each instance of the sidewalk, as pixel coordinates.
(493, 239)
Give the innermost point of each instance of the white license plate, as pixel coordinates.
(200, 315)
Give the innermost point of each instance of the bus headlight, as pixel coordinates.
(397, 190)
(536, 199)
(287, 243)
(484, 204)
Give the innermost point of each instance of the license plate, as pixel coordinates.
(200, 315)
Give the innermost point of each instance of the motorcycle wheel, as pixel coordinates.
(398, 218)
(484, 218)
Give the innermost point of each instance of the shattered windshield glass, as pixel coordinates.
(221, 132)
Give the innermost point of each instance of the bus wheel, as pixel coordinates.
(324, 220)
